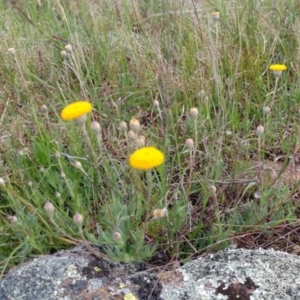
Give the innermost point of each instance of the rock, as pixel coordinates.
(78, 274)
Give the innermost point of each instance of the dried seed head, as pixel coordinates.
(96, 127)
(69, 48)
(257, 195)
(117, 236)
(260, 130)
(160, 213)
(134, 125)
(62, 175)
(2, 182)
(194, 113)
(156, 104)
(123, 126)
(49, 208)
(63, 54)
(131, 135)
(57, 154)
(189, 143)
(12, 219)
(215, 15)
(267, 110)
(78, 219)
(11, 51)
(29, 183)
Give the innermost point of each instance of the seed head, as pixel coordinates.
(12, 219)
(2, 182)
(57, 195)
(215, 15)
(257, 195)
(117, 236)
(160, 213)
(213, 189)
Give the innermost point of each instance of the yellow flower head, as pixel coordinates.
(76, 110)
(277, 67)
(146, 158)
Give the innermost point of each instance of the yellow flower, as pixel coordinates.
(146, 158)
(277, 70)
(130, 296)
(76, 110)
(277, 67)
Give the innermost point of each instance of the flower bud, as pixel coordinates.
(267, 110)
(96, 127)
(69, 48)
(140, 141)
(49, 208)
(123, 126)
(156, 104)
(189, 143)
(260, 130)
(194, 113)
(131, 135)
(78, 165)
(134, 125)
(11, 51)
(78, 219)
(63, 54)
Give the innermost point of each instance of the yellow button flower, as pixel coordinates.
(146, 158)
(277, 69)
(76, 110)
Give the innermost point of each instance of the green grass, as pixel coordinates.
(126, 54)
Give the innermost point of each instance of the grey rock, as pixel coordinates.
(230, 274)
